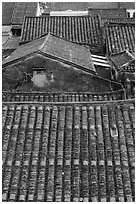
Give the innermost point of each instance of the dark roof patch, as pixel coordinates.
(7, 11)
(108, 13)
(14, 12)
(23, 9)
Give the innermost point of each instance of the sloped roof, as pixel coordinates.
(77, 152)
(108, 13)
(23, 9)
(14, 12)
(11, 43)
(120, 37)
(55, 47)
(81, 29)
(7, 11)
(121, 59)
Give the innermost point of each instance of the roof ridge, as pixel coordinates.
(130, 54)
(44, 42)
(13, 11)
(59, 92)
(87, 16)
(115, 102)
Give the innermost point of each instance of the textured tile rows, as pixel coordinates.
(120, 37)
(62, 97)
(121, 59)
(68, 153)
(83, 29)
(119, 20)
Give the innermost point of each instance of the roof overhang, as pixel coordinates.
(54, 58)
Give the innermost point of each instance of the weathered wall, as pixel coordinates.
(59, 77)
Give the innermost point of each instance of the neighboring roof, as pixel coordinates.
(11, 43)
(108, 13)
(129, 67)
(23, 9)
(78, 6)
(127, 5)
(65, 6)
(55, 47)
(120, 37)
(119, 20)
(20, 96)
(121, 59)
(14, 12)
(86, 30)
(7, 11)
(73, 152)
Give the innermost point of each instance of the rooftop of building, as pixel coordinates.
(73, 28)
(120, 37)
(14, 12)
(69, 152)
(121, 59)
(55, 47)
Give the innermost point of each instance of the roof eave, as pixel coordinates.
(85, 69)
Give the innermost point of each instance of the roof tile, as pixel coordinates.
(120, 37)
(66, 97)
(97, 168)
(75, 29)
(57, 49)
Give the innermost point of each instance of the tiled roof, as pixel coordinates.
(62, 96)
(55, 47)
(7, 11)
(108, 13)
(121, 59)
(85, 30)
(23, 9)
(14, 13)
(119, 20)
(77, 152)
(120, 37)
(11, 43)
(130, 67)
